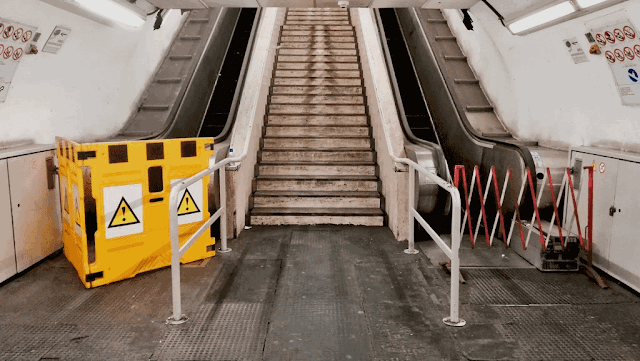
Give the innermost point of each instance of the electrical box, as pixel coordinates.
(29, 208)
(616, 210)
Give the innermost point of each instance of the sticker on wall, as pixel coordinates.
(636, 49)
(123, 210)
(629, 53)
(13, 40)
(618, 34)
(609, 55)
(575, 50)
(629, 32)
(633, 75)
(56, 40)
(609, 36)
(602, 167)
(191, 202)
(619, 54)
(64, 193)
(601, 40)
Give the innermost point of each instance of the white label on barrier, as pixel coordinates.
(190, 203)
(123, 210)
(64, 197)
(76, 206)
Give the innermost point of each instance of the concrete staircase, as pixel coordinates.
(317, 163)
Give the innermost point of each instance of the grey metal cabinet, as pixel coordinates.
(30, 221)
(616, 211)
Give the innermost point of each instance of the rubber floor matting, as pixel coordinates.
(317, 293)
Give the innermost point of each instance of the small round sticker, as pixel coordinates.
(26, 36)
(18, 54)
(601, 40)
(629, 53)
(609, 55)
(17, 34)
(618, 34)
(7, 52)
(609, 36)
(7, 32)
(602, 167)
(619, 54)
(629, 32)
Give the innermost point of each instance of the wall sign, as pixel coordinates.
(575, 50)
(622, 51)
(56, 39)
(14, 40)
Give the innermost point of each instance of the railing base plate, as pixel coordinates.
(173, 321)
(411, 251)
(226, 250)
(460, 323)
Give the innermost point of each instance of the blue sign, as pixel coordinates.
(633, 75)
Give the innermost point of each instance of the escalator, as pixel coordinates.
(463, 121)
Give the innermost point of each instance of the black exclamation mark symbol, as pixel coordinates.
(187, 199)
(123, 217)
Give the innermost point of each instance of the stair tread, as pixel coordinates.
(318, 137)
(359, 163)
(318, 177)
(336, 150)
(354, 194)
(318, 211)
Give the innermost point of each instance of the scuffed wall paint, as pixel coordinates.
(88, 89)
(539, 93)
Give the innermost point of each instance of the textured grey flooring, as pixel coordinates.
(317, 293)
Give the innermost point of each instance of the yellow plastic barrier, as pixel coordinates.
(115, 205)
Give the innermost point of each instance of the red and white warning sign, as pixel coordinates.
(17, 34)
(601, 40)
(609, 55)
(619, 54)
(629, 53)
(636, 49)
(7, 52)
(629, 32)
(609, 36)
(618, 34)
(17, 54)
(27, 36)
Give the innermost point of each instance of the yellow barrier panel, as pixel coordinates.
(115, 205)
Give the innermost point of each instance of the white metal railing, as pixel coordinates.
(453, 250)
(178, 251)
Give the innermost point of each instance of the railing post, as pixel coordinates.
(177, 317)
(412, 197)
(223, 216)
(453, 319)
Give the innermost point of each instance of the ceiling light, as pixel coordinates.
(541, 17)
(114, 11)
(586, 3)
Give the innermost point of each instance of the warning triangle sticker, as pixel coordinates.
(187, 205)
(124, 215)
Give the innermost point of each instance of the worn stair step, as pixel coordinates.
(301, 216)
(315, 90)
(313, 143)
(316, 156)
(317, 59)
(316, 200)
(315, 109)
(293, 131)
(318, 66)
(318, 183)
(312, 13)
(317, 33)
(336, 10)
(317, 99)
(312, 169)
(318, 73)
(317, 46)
(321, 52)
(318, 81)
(318, 17)
(319, 27)
(318, 22)
(317, 39)
(325, 120)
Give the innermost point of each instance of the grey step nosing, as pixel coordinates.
(466, 81)
(168, 80)
(455, 57)
(479, 108)
(445, 38)
(318, 194)
(342, 177)
(199, 21)
(190, 37)
(180, 57)
(317, 126)
(318, 137)
(324, 150)
(318, 211)
(436, 20)
(319, 163)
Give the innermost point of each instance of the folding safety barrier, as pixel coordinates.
(115, 205)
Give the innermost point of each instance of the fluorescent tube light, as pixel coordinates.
(114, 11)
(541, 17)
(586, 3)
